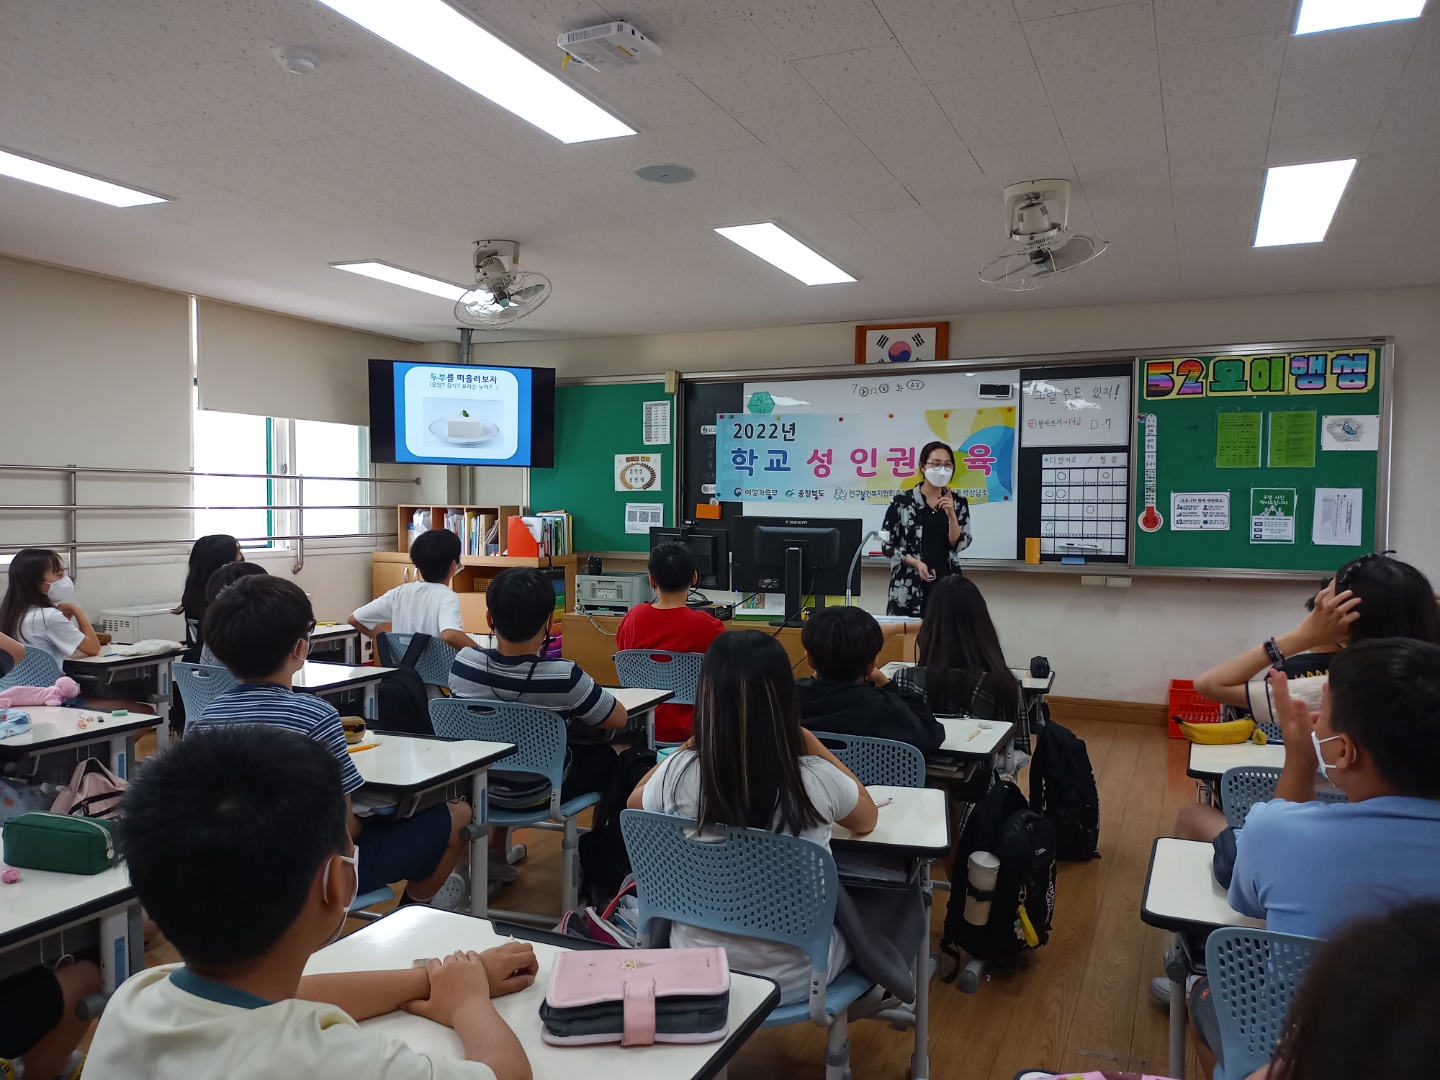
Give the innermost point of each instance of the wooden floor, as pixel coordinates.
(1080, 1002)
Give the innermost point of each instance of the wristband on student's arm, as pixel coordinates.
(1272, 650)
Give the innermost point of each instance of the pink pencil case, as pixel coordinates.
(637, 997)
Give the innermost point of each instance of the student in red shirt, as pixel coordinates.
(666, 623)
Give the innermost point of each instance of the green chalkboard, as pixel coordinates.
(593, 423)
(1266, 430)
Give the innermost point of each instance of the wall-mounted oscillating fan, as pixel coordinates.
(504, 291)
(1041, 247)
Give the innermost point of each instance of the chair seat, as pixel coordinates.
(501, 816)
(842, 992)
(373, 897)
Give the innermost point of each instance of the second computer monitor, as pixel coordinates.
(769, 550)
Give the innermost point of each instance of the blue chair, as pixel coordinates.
(1273, 735)
(763, 885)
(200, 684)
(1244, 786)
(539, 738)
(37, 669)
(358, 906)
(659, 669)
(434, 664)
(1253, 978)
(877, 761)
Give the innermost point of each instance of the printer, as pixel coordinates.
(611, 593)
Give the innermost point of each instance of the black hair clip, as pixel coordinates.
(1347, 572)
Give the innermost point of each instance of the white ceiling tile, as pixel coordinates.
(736, 67)
(684, 114)
(954, 41)
(846, 169)
(1318, 146)
(1044, 9)
(1237, 76)
(1279, 269)
(1218, 143)
(1412, 118)
(1102, 129)
(922, 152)
(653, 16)
(794, 125)
(1101, 53)
(869, 87)
(1185, 22)
(1387, 46)
(998, 109)
(918, 239)
(1012, 163)
(1216, 210)
(1316, 100)
(800, 28)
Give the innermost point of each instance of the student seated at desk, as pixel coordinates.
(751, 764)
(666, 623)
(848, 694)
(207, 555)
(1370, 597)
(39, 1025)
(960, 666)
(260, 628)
(237, 846)
(519, 606)
(422, 607)
(219, 581)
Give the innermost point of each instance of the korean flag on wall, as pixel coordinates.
(900, 346)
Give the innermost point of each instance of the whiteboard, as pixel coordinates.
(1077, 410)
(877, 403)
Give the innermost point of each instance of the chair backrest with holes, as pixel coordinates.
(1253, 977)
(37, 669)
(538, 734)
(1244, 786)
(877, 761)
(434, 663)
(200, 684)
(658, 669)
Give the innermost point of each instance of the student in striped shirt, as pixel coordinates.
(520, 603)
(260, 629)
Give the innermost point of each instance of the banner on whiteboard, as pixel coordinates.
(832, 458)
(1080, 410)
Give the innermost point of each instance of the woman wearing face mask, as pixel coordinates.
(38, 610)
(926, 529)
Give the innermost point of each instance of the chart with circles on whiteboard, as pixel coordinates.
(1084, 504)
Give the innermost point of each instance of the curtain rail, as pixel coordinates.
(88, 469)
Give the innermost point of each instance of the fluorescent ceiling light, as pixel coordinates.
(1299, 202)
(433, 31)
(1318, 15)
(779, 248)
(408, 278)
(73, 183)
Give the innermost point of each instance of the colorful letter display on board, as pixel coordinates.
(1194, 378)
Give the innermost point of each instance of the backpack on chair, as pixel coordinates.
(604, 862)
(401, 702)
(1022, 903)
(1062, 789)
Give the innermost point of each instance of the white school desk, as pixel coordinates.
(110, 665)
(342, 635)
(54, 727)
(44, 904)
(1028, 683)
(966, 736)
(640, 702)
(411, 766)
(1182, 896)
(1212, 762)
(914, 826)
(418, 932)
(330, 680)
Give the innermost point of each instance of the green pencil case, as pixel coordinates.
(59, 842)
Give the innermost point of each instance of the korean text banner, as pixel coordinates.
(854, 459)
(1192, 378)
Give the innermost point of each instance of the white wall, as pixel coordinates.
(1118, 644)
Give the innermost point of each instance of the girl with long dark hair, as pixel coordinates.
(38, 610)
(751, 764)
(208, 554)
(961, 667)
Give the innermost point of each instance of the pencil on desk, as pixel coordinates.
(363, 746)
(974, 735)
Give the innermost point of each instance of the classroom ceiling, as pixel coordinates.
(878, 131)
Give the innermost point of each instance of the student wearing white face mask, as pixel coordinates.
(38, 609)
(927, 527)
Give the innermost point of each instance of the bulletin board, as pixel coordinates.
(1263, 458)
(596, 424)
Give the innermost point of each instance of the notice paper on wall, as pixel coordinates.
(1292, 440)
(639, 517)
(656, 423)
(1338, 521)
(1237, 440)
(1350, 433)
(1200, 511)
(637, 472)
(1272, 515)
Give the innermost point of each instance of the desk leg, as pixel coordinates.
(351, 642)
(920, 1060)
(115, 946)
(480, 846)
(166, 696)
(1175, 965)
(368, 700)
(122, 752)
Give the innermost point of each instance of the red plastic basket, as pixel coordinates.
(1188, 704)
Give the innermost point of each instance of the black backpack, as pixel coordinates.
(1003, 824)
(401, 701)
(604, 862)
(1062, 788)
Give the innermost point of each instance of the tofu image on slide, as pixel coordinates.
(464, 429)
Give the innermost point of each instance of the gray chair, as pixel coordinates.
(1245, 785)
(200, 684)
(434, 663)
(37, 669)
(877, 761)
(1254, 975)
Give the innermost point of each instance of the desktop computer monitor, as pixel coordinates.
(708, 544)
(797, 556)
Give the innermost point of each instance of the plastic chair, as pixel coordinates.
(760, 884)
(1245, 785)
(539, 738)
(877, 761)
(358, 906)
(657, 669)
(1253, 978)
(1273, 735)
(200, 684)
(434, 664)
(37, 669)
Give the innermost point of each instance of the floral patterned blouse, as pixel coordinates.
(904, 524)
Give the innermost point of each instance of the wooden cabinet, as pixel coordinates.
(392, 568)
